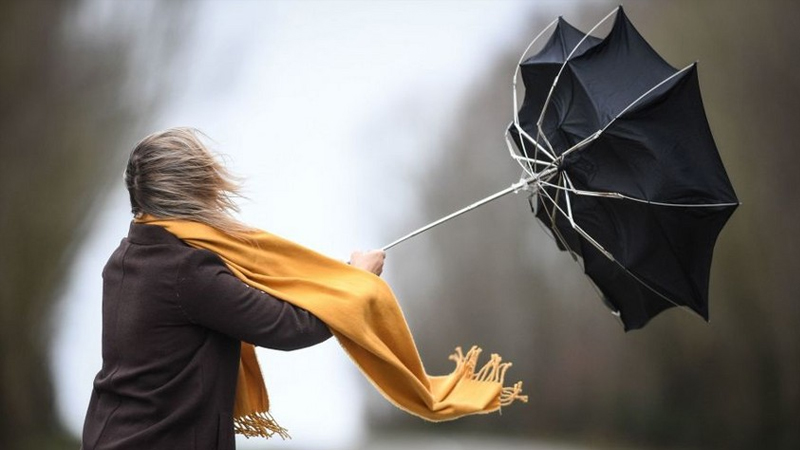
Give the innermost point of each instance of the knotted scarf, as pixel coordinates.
(362, 313)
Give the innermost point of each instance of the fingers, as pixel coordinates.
(371, 261)
(380, 257)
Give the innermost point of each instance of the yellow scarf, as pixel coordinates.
(363, 314)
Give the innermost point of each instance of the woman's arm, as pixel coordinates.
(211, 296)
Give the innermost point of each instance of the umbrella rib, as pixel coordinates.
(619, 196)
(533, 141)
(516, 72)
(649, 91)
(524, 162)
(515, 97)
(531, 160)
(516, 157)
(580, 230)
(556, 232)
(634, 276)
(607, 254)
(652, 289)
(583, 143)
(515, 124)
(565, 180)
(522, 57)
(575, 257)
(538, 145)
(592, 137)
(540, 132)
(525, 134)
(564, 64)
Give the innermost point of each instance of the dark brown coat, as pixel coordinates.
(173, 319)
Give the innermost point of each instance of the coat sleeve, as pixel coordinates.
(211, 296)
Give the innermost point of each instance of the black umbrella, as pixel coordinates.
(621, 166)
(627, 175)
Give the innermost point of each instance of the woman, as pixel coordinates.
(174, 315)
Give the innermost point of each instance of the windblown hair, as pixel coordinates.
(171, 174)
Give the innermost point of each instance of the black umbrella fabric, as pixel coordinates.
(623, 168)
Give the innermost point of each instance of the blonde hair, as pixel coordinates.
(171, 174)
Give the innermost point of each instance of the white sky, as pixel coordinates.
(326, 108)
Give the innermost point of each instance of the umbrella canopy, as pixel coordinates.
(623, 168)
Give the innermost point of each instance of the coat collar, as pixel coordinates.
(151, 234)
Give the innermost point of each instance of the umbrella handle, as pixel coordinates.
(521, 184)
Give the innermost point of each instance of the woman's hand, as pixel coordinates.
(371, 261)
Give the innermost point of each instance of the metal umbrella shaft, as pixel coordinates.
(521, 184)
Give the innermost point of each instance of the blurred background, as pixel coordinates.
(353, 123)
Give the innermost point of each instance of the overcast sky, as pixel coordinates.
(311, 102)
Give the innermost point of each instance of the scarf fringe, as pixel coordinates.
(494, 371)
(259, 424)
(510, 394)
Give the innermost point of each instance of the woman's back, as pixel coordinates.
(173, 318)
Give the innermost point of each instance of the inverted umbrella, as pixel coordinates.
(621, 167)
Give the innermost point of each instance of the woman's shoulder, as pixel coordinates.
(200, 264)
(152, 251)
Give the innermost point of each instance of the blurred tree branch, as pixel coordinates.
(75, 89)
